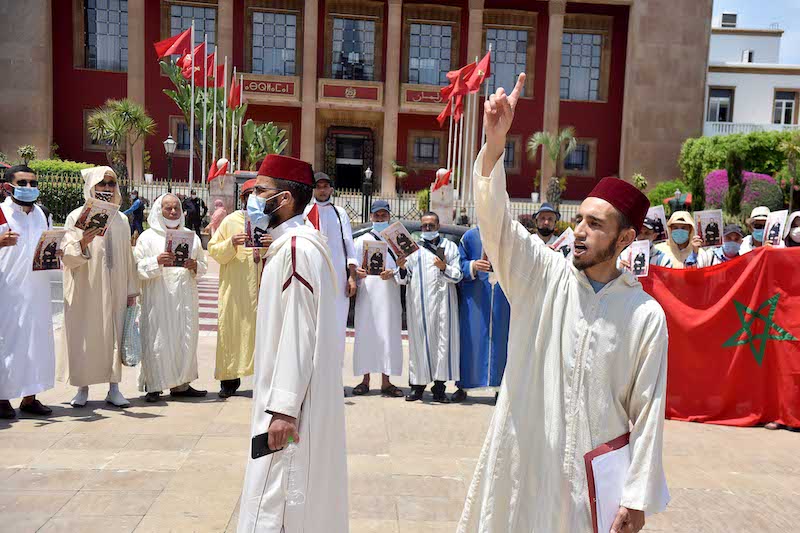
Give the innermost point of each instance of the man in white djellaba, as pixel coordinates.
(170, 302)
(297, 392)
(591, 367)
(378, 346)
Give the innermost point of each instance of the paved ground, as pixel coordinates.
(178, 466)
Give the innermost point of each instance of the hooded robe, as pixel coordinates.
(170, 308)
(676, 256)
(97, 283)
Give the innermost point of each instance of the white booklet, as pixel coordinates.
(399, 239)
(47, 256)
(774, 228)
(96, 214)
(639, 258)
(179, 242)
(606, 473)
(565, 242)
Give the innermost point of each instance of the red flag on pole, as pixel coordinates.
(445, 113)
(442, 179)
(482, 71)
(199, 53)
(218, 168)
(313, 216)
(734, 339)
(235, 96)
(177, 44)
(454, 75)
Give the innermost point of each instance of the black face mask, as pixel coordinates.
(545, 232)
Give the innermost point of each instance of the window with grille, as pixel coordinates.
(578, 160)
(429, 53)
(510, 155)
(182, 135)
(509, 56)
(426, 150)
(274, 43)
(205, 22)
(784, 107)
(106, 38)
(720, 105)
(353, 49)
(580, 66)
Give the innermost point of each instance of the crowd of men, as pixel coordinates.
(289, 267)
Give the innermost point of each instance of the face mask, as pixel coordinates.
(794, 234)
(680, 236)
(380, 226)
(256, 210)
(26, 195)
(430, 235)
(731, 248)
(758, 235)
(545, 232)
(104, 196)
(172, 224)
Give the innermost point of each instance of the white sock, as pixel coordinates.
(81, 397)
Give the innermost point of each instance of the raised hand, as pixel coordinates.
(498, 114)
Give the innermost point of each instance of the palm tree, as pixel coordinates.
(791, 149)
(121, 124)
(555, 146)
(400, 174)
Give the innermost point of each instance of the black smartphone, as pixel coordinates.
(440, 253)
(259, 446)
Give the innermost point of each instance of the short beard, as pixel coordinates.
(609, 253)
(23, 204)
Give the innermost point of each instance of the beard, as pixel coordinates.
(589, 259)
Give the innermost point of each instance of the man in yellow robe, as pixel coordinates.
(240, 271)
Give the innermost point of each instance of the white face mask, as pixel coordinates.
(794, 234)
(172, 224)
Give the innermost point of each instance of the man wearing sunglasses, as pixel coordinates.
(27, 352)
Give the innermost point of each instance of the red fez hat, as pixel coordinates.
(248, 185)
(287, 168)
(626, 198)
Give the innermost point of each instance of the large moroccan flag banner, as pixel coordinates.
(734, 339)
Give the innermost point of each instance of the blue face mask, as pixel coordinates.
(26, 195)
(430, 235)
(758, 235)
(731, 248)
(256, 207)
(380, 226)
(680, 236)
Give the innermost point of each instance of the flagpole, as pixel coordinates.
(450, 140)
(214, 119)
(204, 169)
(459, 149)
(239, 138)
(233, 125)
(486, 97)
(224, 107)
(191, 121)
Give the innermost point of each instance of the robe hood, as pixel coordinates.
(676, 255)
(157, 221)
(93, 176)
(312, 235)
(794, 216)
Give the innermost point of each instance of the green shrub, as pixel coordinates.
(61, 197)
(761, 192)
(758, 151)
(58, 167)
(664, 190)
(424, 200)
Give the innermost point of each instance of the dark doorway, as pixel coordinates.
(348, 154)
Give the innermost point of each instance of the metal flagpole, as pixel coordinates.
(204, 168)
(459, 150)
(224, 107)
(191, 121)
(486, 97)
(214, 119)
(450, 140)
(233, 125)
(239, 138)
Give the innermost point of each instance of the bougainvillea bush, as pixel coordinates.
(716, 186)
(762, 192)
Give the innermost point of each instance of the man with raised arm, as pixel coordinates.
(588, 367)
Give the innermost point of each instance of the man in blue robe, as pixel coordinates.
(484, 318)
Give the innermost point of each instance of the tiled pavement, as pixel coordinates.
(178, 466)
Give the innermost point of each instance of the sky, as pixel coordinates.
(759, 14)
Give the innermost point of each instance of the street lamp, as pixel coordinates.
(169, 148)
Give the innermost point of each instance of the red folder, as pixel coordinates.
(603, 449)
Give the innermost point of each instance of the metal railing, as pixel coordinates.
(711, 129)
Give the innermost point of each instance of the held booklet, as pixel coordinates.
(374, 260)
(709, 226)
(46, 256)
(400, 240)
(96, 214)
(254, 234)
(179, 242)
(639, 258)
(565, 242)
(657, 213)
(606, 472)
(774, 228)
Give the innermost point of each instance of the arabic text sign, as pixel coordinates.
(423, 97)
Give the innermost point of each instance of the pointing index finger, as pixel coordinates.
(514, 96)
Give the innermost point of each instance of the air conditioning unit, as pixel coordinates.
(729, 20)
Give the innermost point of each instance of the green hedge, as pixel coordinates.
(759, 153)
(57, 166)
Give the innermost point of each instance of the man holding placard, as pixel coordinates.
(27, 351)
(378, 320)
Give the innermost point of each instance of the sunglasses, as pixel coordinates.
(107, 184)
(26, 183)
(427, 227)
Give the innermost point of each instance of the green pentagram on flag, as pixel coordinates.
(772, 331)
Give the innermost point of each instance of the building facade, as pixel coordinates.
(355, 82)
(749, 89)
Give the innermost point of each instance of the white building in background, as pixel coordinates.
(748, 89)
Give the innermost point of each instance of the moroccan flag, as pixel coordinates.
(454, 76)
(235, 96)
(448, 108)
(313, 216)
(186, 63)
(734, 339)
(482, 71)
(177, 44)
(218, 168)
(441, 180)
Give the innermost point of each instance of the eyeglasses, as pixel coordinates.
(427, 227)
(107, 184)
(263, 188)
(26, 183)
